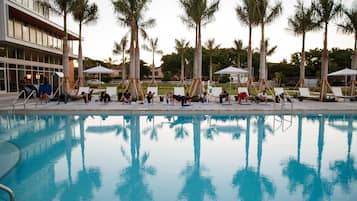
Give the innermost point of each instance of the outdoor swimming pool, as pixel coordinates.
(188, 157)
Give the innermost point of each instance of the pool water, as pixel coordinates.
(188, 157)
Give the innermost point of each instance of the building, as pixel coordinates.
(30, 45)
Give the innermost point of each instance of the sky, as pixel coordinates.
(99, 37)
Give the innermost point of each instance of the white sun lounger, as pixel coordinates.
(153, 90)
(179, 91)
(337, 92)
(305, 94)
(112, 92)
(214, 92)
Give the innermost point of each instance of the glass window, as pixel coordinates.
(25, 33)
(39, 37)
(44, 36)
(59, 44)
(12, 53)
(31, 4)
(10, 28)
(2, 51)
(18, 30)
(28, 55)
(33, 35)
(34, 56)
(20, 53)
(50, 41)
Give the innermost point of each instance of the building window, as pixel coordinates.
(50, 41)
(31, 4)
(10, 28)
(25, 33)
(39, 37)
(34, 57)
(18, 30)
(44, 36)
(33, 35)
(20, 53)
(12, 53)
(2, 51)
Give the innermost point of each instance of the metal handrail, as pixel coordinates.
(23, 92)
(9, 191)
(33, 92)
(28, 98)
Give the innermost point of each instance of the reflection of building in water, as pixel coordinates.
(35, 173)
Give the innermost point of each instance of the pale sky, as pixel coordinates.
(99, 37)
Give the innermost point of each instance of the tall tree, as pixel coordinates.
(153, 48)
(198, 13)
(349, 26)
(130, 13)
(238, 47)
(122, 48)
(181, 47)
(84, 13)
(266, 13)
(326, 10)
(268, 52)
(247, 14)
(62, 7)
(211, 47)
(301, 23)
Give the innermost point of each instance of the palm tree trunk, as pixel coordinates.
(182, 70)
(80, 57)
(210, 68)
(153, 67)
(324, 67)
(250, 58)
(354, 66)
(137, 54)
(262, 70)
(196, 85)
(302, 64)
(123, 68)
(132, 55)
(65, 57)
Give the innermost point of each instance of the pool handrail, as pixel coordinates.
(8, 191)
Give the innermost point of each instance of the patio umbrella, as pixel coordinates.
(344, 72)
(99, 70)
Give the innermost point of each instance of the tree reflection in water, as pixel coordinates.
(133, 186)
(196, 185)
(346, 172)
(251, 184)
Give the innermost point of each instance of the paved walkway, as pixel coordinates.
(162, 108)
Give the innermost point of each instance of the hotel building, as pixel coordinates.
(30, 45)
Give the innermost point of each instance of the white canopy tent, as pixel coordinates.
(231, 70)
(344, 72)
(99, 70)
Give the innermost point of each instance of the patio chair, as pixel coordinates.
(112, 92)
(179, 91)
(281, 95)
(305, 94)
(337, 92)
(242, 90)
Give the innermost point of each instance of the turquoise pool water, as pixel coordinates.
(193, 158)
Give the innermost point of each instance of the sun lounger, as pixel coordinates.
(337, 92)
(305, 94)
(214, 92)
(179, 91)
(112, 92)
(281, 95)
(153, 90)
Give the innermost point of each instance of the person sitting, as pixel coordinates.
(104, 97)
(169, 98)
(85, 97)
(261, 96)
(242, 96)
(186, 100)
(127, 97)
(150, 97)
(204, 98)
(44, 97)
(223, 95)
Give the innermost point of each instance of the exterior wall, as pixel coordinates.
(71, 74)
(3, 19)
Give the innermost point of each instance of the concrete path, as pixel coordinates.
(162, 108)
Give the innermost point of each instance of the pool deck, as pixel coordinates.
(162, 108)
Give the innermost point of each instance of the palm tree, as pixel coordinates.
(197, 14)
(238, 46)
(268, 52)
(211, 47)
(121, 48)
(300, 23)
(326, 10)
(153, 48)
(247, 14)
(62, 7)
(84, 13)
(349, 26)
(266, 14)
(181, 47)
(131, 14)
